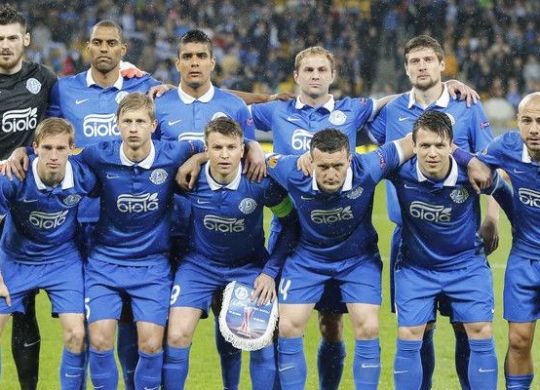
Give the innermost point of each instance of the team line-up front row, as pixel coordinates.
(327, 234)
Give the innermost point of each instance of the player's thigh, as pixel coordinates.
(103, 300)
(21, 280)
(470, 290)
(64, 284)
(182, 324)
(293, 319)
(416, 291)
(521, 296)
(102, 334)
(302, 280)
(364, 319)
(360, 279)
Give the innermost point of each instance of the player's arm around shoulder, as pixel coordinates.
(384, 161)
(283, 168)
(191, 156)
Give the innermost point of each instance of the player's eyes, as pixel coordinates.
(113, 43)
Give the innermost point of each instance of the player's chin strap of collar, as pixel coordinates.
(244, 324)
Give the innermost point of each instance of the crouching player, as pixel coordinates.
(227, 245)
(38, 242)
(442, 254)
(337, 242)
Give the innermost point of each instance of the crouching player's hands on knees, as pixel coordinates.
(265, 289)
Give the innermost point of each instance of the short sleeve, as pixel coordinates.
(262, 115)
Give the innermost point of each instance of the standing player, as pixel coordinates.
(442, 254)
(519, 155)
(228, 209)
(25, 90)
(337, 242)
(424, 65)
(38, 242)
(183, 114)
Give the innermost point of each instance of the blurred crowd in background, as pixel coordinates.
(494, 45)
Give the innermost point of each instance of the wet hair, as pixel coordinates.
(195, 36)
(330, 141)
(54, 126)
(436, 122)
(424, 42)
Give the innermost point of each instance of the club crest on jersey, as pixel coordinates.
(459, 195)
(33, 86)
(355, 193)
(451, 117)
(219, 114)
(158, 176)
(337, 118)
(120, 95)
(273, 160)
(72, 200)
(247, 205)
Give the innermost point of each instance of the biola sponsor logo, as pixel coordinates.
(47, 221)
(19, 120)
(529, 197)
(332, 216)
(224, 225)
(127, 203)
(430, 212)
(301, 139)
(100, 125)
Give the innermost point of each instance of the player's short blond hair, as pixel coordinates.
(314, 51)
(54, 126)
(135, 101)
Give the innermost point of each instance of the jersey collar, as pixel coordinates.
(67, 181)
(443, 100)
(525, 155)
(329, 105)
(118, 84)
(188, 99)
(146, 163)
(347, 185)
(450, 180)
(214, 185)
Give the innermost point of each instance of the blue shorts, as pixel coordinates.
(148, 288)
(62, 280)
(359, 279)
(331, 300)
(197, 279)
(522, 288)
(469, 290)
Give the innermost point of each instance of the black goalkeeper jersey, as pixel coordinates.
(24, 97)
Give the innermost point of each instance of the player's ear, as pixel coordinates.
(442, 65)
(124, 48)
(26, 39)
(35, 146)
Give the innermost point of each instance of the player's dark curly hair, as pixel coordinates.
(195, 36)
(436, 122)
(10, 15)
(223, 125)
(330, 141)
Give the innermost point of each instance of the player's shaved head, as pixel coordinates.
(436, 122)
(195, 36)
(54, 126)
(10, 15)
(109, 24)
(530, 99)
(135, 101)
(330, 141)
(424, 42)
(225, 126)
(314, 51)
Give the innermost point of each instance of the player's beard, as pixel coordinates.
(428, 84)
(7, 65)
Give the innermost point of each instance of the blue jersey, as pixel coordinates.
(293, 123)
(133, 228)
(228, 220)
(441, 218)
(90, 108)
(41, 223)
(182, 117)
(470, 126)
(336, 226)
(510, 153)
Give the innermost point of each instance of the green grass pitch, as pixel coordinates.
(204, 364)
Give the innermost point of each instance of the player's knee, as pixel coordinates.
(150, 345)
(480, 330)
(368, 330)
(100, 342)
(520, 342)
(178, 339)
(289, 328)
(331, 326)
(74, 338)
